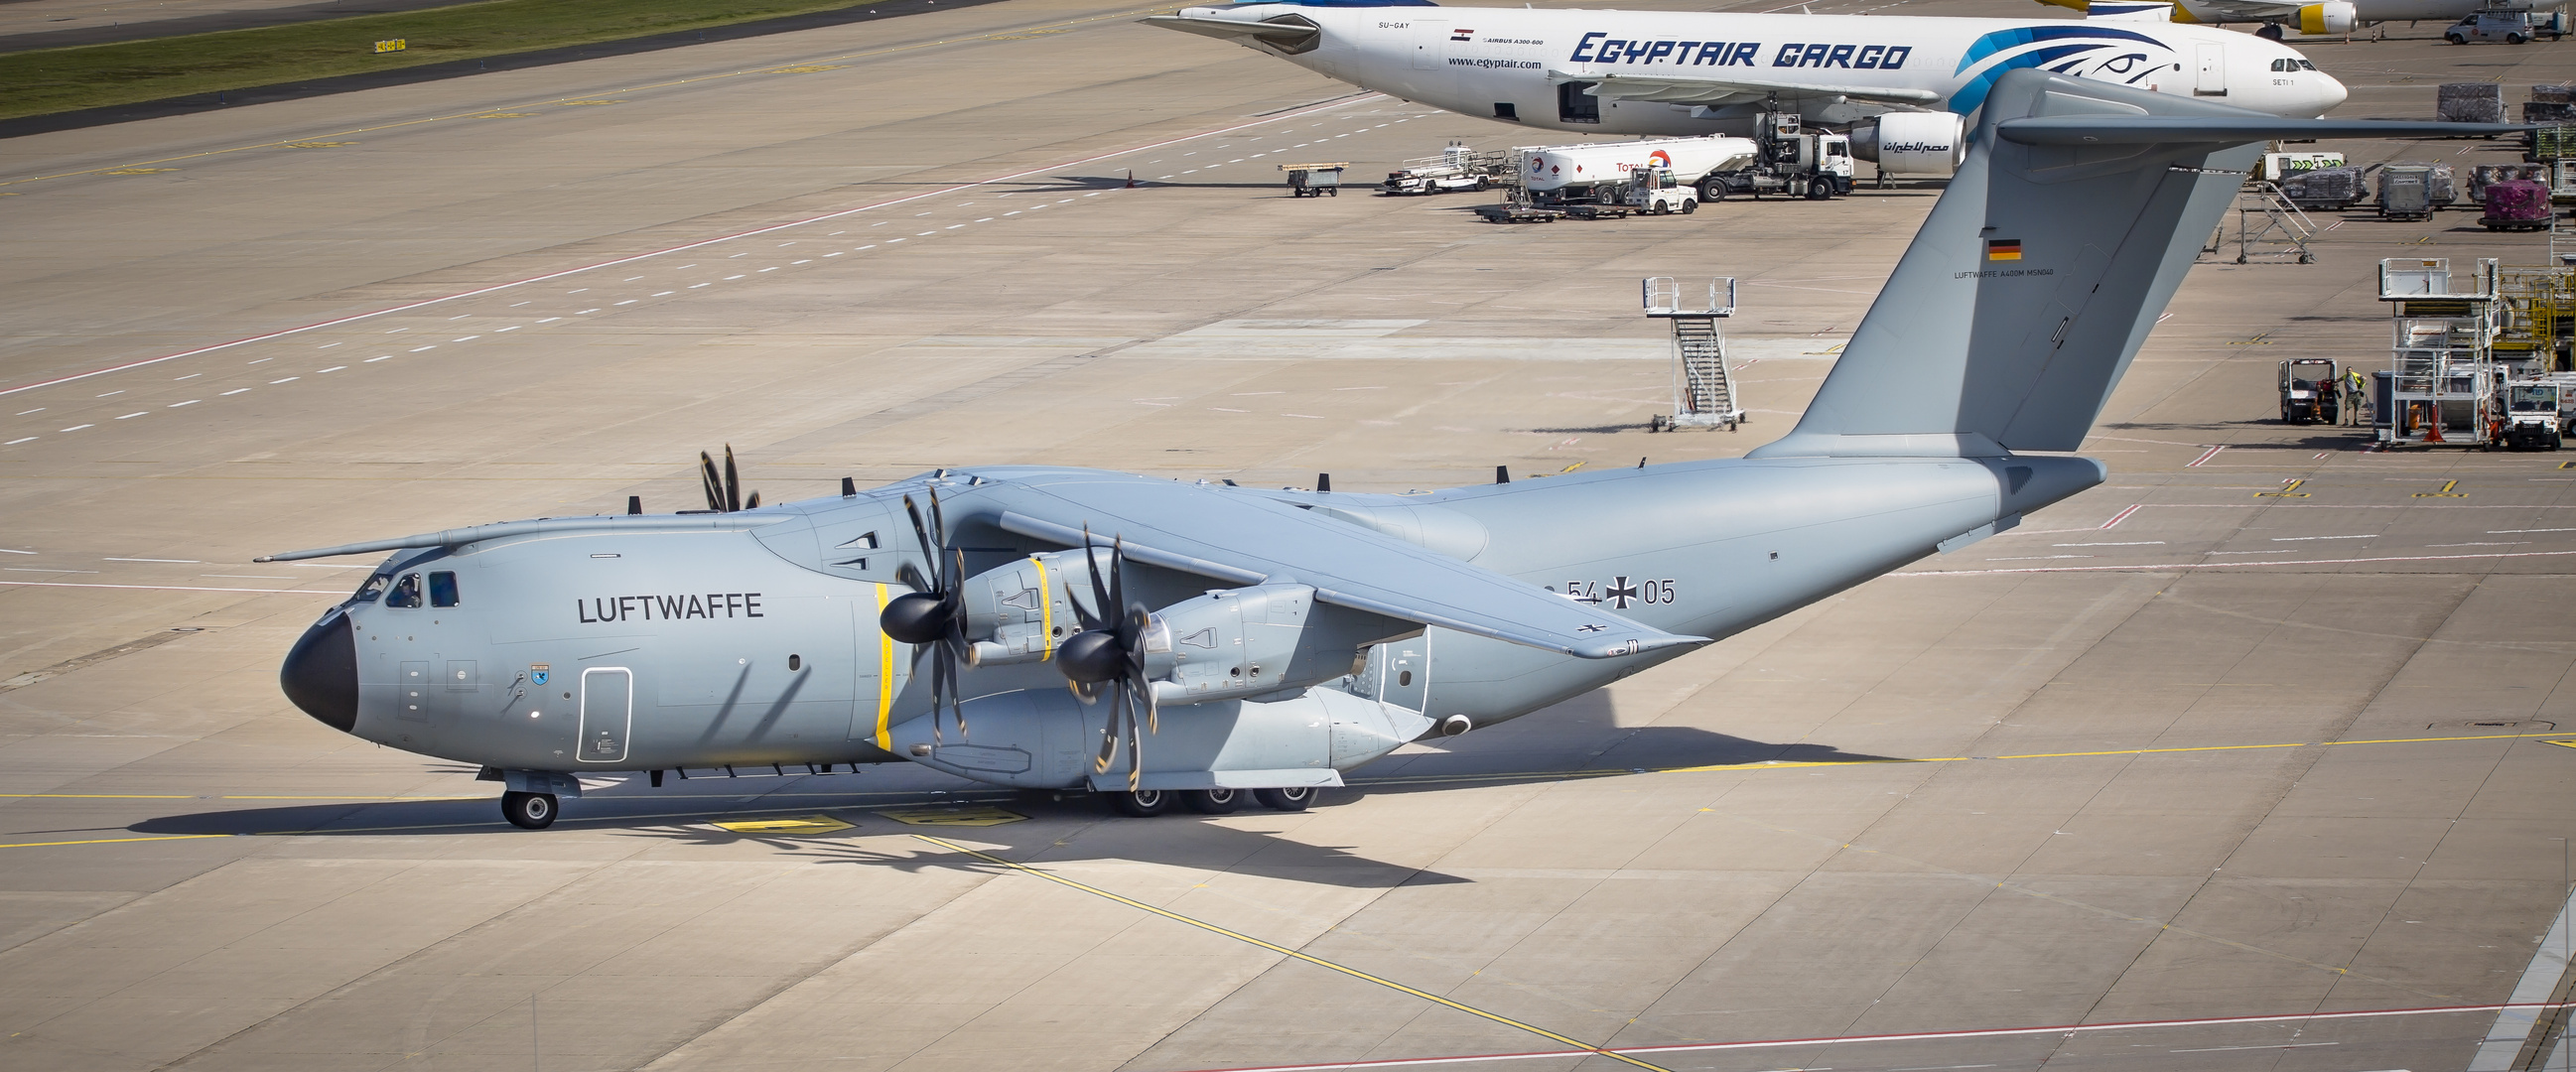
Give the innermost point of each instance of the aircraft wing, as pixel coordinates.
(1242, 538)
(1704, 89)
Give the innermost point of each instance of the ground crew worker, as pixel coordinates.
(2353, 393)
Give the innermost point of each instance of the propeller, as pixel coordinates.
(932, 618)
(724, 493)
(1110, 651)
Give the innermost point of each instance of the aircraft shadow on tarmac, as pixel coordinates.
(1580, 739)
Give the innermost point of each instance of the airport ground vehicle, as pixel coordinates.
(2405, 192)
(2516, 205)
(2534, 414)
(1795, 161)
(2308, 391)
(1456, 168)
(1314, 180)
(1653, 191)
(2509, 25)
(1596, 172)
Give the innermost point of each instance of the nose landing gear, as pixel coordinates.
(529, 811)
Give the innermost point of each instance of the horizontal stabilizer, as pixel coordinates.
(2038, 274)
(1277, 33)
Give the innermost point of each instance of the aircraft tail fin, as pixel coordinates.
(2040, 271)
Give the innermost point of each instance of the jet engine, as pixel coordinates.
(2335, 17)
(1928, 144)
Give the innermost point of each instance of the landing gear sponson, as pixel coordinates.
(1150, 802)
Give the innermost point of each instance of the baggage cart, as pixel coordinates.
(1314, 180)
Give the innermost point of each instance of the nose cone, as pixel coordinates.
(2330, 93)
(321, 672)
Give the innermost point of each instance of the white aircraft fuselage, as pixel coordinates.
(1717, 70)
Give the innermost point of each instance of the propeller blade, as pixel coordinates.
(1117, 580)
(948, 669)
(707, 477)
(732, 483)
(929, 558)
(1135, 747)
(1108, 742)
(1099, 592)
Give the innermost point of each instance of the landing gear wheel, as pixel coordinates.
(1296, 799)
(2271, 31)
(529, 811)
(1143, 803)
(1213, 801)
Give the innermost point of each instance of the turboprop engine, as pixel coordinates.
(1231, 673)
(2336, 17)
(1927, 144)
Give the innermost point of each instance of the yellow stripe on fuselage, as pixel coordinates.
(885, 672)
(1046, 614)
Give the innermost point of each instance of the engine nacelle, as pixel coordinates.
(1927, 144)
(1239, 642)
(1020, 613)
(2335, 17)
(1045, 739)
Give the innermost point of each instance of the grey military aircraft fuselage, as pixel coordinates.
(620, 643)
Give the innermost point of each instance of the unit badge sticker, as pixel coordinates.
(537, 673)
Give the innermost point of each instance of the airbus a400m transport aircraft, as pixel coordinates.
(1224, 640)
(1687, 72)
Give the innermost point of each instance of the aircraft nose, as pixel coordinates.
(321, 672)
(2331, 94)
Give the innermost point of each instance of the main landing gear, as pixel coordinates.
(529, 811)
(1145, 803)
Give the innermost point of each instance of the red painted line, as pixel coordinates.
(755, 232)
(1919, 1036)
(166, 587)
(2194, 464)
(2122, 516)
(2234, 565)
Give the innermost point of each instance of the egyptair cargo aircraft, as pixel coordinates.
(1684, 72)
(1223, 642)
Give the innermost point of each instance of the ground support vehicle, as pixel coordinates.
(2533, 414)
(2513, 26)
(1794, 162)
(2516, 205)
(1314, 180)
(2308, 391)
(1456, 168)
(1512, 213)
(2330, 189)
(1652, 191)
(2405, 192)
(2444, 385)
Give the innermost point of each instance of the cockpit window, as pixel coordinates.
(2306, 66)
(406, 592)
(374, 587)
(442, 589)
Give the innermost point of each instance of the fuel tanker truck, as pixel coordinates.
(1600, 171)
